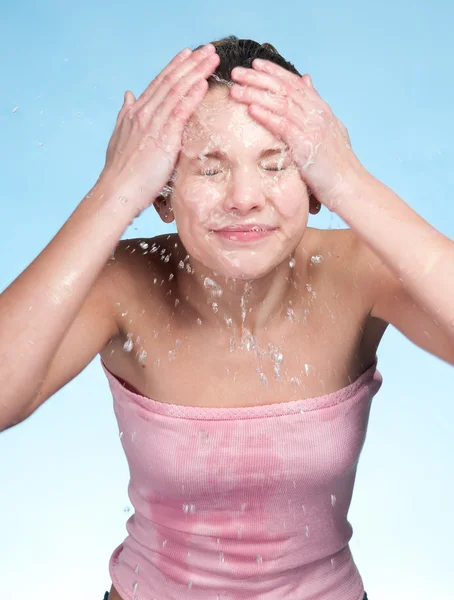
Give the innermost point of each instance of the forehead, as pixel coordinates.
(220, 122)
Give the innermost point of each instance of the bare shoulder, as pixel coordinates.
(349, 263)
(335, 248)
(141, 268)
(137, 257)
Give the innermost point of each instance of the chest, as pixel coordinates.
(323, 344)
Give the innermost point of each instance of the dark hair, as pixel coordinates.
(234, 52)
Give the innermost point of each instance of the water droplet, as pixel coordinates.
(295, 382)
(263, 379)
(172, 354)
(259, 560)
(309, 369)
(199, 321)
(212, 286)
(164, 543)
(143, 245)
(292, 263)
(171, 276)
(15, 109)
(128, 345)
(290, 314)
(142, 356)
(121, 434)
(307, 530)
(333, 499)
(317, 259)
(214, 306)
(221, 557)
(133, 436)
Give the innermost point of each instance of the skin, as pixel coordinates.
(242, 187)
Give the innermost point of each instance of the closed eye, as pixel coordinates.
(210, 172)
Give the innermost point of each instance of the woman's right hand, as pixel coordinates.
(144, 147)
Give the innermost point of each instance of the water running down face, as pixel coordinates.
(234, 174)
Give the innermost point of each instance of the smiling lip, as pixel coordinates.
(245, 233)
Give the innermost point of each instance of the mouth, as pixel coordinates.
(245, 233)
(246, 228)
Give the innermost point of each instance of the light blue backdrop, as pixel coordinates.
(386, 70)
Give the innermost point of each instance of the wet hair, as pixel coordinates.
(234, 52)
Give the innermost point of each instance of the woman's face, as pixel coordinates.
(239, 202)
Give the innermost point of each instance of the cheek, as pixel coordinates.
(290, 197)
(197, 203)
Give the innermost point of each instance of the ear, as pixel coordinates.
(163, 207)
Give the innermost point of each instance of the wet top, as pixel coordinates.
(237, 503)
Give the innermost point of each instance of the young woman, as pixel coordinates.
(241, 352)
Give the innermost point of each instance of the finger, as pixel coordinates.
(178, 92)
(278, 125)
(281, 105)
(173, 129)
(128, 101)
(159, 87)
(267, 66)
(272, 68)
(177, 60)
(307, 81)
(272, 83)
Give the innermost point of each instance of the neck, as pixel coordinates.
(238, 304)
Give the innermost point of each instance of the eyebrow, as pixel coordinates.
(220, 155)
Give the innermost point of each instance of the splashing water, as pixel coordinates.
(129, 344)
(213, 287)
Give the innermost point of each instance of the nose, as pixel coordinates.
(244, 192)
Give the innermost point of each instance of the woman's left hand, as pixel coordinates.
(292, 110)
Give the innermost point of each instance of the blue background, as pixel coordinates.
(385, 68)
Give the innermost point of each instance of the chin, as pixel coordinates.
(239, 269)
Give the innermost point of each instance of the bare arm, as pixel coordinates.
(38, 308)
(44, 313)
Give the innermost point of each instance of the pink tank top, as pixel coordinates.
(241, 503)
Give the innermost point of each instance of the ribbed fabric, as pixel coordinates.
(241, 503)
